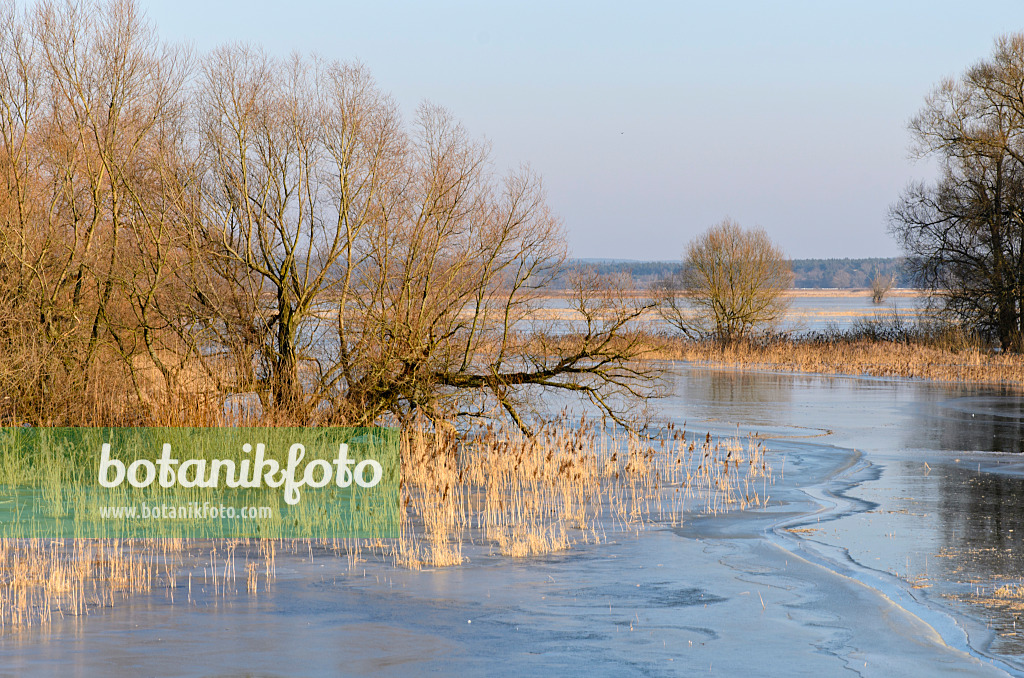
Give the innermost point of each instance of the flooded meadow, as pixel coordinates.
(888, 543)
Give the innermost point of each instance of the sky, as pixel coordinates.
(652, 121)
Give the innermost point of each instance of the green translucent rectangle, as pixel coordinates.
(51, 485)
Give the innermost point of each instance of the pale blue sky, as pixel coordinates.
(651, 121)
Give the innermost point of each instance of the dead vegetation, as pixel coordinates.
(872, 348)
(521, 496)
(485, 492)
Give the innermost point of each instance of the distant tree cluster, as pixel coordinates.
(642, 273)
(807, 273)
(848, 273)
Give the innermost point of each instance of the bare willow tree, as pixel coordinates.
(964, 234)
(90, 100)
(272, 226)
(271, 235)
(880, 284)
(370, 268)
(731, 284)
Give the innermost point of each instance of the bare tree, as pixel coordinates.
(881, 283)
(274, 221)
(90, 103)
(267, 224)
(373, 269)
(964, 234)
(732, 284)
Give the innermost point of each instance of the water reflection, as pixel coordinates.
(746, 390)
(946, 486)
(990, 421)
(982, 517)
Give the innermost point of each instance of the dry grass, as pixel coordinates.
(1003, 598)
(861, 357)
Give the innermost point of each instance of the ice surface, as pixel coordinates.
(894, 494)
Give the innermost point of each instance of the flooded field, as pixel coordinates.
(894, 522)
(818, 310)
(809, 310)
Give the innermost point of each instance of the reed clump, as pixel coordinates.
(1003, 599)
(485, 491)
(520, 495)
(42, 578)
(1010, 592)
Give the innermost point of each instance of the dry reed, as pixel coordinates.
(522, 496)
(45, 578)
(859, 358)
(489, 489)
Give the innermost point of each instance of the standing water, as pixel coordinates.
(893, 525)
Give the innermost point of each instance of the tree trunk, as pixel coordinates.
(287, 389)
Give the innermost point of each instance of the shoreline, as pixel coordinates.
(859, 358)
(957, 628)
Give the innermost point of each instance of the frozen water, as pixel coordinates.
(899, 500)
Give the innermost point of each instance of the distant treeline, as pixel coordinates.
(848, 273)
(810, 273)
